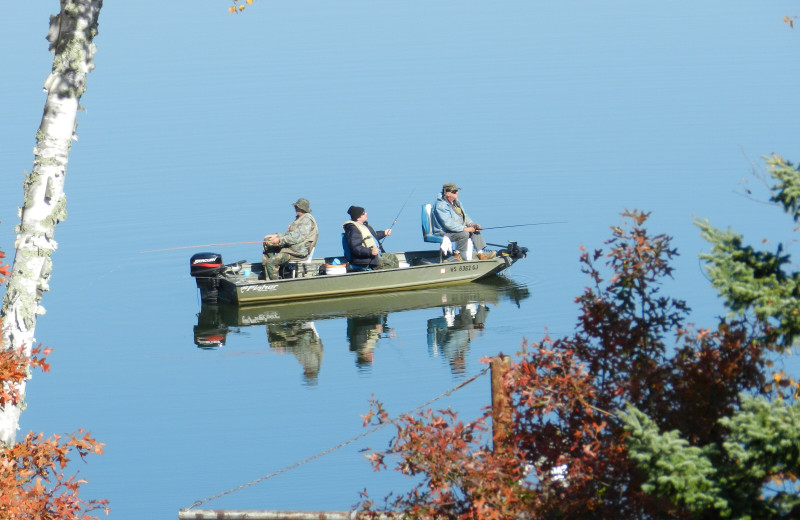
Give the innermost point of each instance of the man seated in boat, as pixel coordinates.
(298, 241)
(364, 242)
(451, 220)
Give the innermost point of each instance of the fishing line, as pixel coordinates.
(202, 245)
(521, 225)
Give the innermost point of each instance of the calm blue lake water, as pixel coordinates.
(202, 128)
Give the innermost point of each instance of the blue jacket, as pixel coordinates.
(445, 219)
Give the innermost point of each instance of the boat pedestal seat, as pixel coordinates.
(445, 246)
(427, 226)
(299, 268)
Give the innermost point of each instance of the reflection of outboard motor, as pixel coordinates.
(206, 268)
(210, 332)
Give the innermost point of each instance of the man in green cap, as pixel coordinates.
(450, 219)
(298, 241)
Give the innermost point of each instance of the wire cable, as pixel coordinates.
(340, 445)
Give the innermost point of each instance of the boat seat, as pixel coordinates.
(429, 236)
(427, 226)
(299, 267)
(345, 248)
(346, 252)
(445, 248)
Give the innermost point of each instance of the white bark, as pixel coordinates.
(70, 36)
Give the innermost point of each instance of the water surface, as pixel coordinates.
(202, 128)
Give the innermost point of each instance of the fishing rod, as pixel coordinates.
(380, 242)
(520, 225)
(202, 245)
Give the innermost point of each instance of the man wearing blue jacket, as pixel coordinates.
(451, 220)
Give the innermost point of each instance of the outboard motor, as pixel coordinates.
(515, 251)
(206, 268)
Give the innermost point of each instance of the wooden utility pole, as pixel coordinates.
(501, 402)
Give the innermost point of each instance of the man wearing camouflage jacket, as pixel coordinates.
(296, 244)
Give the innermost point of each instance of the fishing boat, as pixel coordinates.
(244, 283)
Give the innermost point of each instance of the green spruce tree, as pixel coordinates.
(751, 471)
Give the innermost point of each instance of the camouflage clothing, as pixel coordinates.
(298, 241)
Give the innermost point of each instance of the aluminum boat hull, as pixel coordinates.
(244, 285)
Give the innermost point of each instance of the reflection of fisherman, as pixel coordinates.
(301, 340)
(363, 333)
(449, 335)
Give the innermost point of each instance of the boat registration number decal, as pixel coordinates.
(259, 288)
(456, 268)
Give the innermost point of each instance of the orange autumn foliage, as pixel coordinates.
(34, 483)
(237, 7)
(565, 455)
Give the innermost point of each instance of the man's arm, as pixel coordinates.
(298, 233)
(470, 223)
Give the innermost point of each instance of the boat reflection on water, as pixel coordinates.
(461, 316)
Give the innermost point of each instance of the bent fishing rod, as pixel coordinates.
(380, 242)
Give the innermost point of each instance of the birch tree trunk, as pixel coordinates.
(70, 36)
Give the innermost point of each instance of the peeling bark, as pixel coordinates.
(71, 35)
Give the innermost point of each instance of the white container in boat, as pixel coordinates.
(335, 269)
(403, 265)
